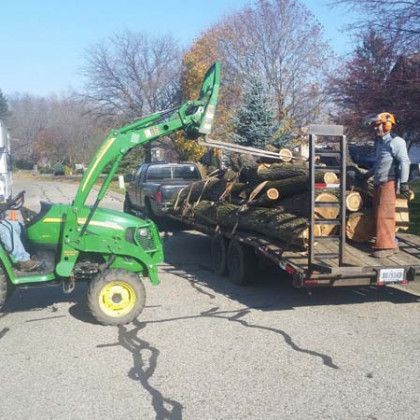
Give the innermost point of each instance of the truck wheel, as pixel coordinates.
(148, 211)
(6, 289)
(218, 254)
(127, 206)
(116, 297)
(241, 263)
(150, 214)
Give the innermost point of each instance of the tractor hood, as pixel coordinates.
(46, 227)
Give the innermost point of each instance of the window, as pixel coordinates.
(188, 172)
(156, 173)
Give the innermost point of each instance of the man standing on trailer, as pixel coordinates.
(392, 166)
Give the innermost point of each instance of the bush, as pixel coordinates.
(45, 170)
(23, 164)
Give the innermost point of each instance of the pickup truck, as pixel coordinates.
(154, 186)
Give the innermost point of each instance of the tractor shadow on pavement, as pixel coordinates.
(42, 298)
(272, 290)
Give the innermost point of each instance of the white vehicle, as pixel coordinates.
(5, 164)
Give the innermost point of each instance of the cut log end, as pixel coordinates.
(285, 155)
(330, 178)
(326, 212)
(354, 201)
(272, 194)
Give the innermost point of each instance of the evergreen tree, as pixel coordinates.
(4, 107)
(254, 123)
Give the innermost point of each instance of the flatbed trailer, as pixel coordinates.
(328, 260)
(237, 253)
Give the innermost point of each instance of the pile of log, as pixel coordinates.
(273, 199)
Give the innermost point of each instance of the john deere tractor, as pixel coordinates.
(112, 250)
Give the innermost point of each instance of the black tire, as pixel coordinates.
(148, 212)
(219, 254)
(6, 289)
(104, 290)
(127, 208)
(241, 263)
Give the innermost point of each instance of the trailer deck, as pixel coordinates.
(359, 255)
(359, 268)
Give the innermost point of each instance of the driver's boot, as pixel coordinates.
(29, 265)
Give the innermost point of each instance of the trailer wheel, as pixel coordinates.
(218, 254)
(241, 263)
(116, 297)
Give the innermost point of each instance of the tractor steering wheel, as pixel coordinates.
(16, 202)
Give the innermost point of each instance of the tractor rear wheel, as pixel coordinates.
(116, 297)
(6, 288)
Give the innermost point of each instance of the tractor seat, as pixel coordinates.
(30, 217)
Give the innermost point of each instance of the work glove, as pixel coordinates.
(366, 176)
(363, 178)
(405, 191)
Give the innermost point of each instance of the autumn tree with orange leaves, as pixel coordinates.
(279, 40)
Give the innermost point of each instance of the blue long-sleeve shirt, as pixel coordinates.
(392, 162)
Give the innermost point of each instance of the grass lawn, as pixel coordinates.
(415, 209)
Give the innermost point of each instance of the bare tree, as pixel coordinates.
(282, 42)
(398, 21)
(132, 74)
(53, 129)
(28, 118)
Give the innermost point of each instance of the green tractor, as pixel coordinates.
(110, 249)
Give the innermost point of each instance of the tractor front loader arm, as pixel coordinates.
(194, 117)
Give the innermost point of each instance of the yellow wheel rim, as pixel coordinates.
(117, 299)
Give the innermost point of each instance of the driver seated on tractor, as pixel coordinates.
(10, 237)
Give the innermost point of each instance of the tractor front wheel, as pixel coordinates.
(116, 297)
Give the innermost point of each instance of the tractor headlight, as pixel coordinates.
(144, 232)
(145, 239)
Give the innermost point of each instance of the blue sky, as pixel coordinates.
(42, 42)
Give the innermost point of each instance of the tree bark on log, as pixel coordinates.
(273, 223)
(289, 186)
(299, 204)
(273, 172)
(278, 171)
(209, 189)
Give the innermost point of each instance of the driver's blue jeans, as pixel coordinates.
(10, 237)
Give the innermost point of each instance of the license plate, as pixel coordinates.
(391, 275)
